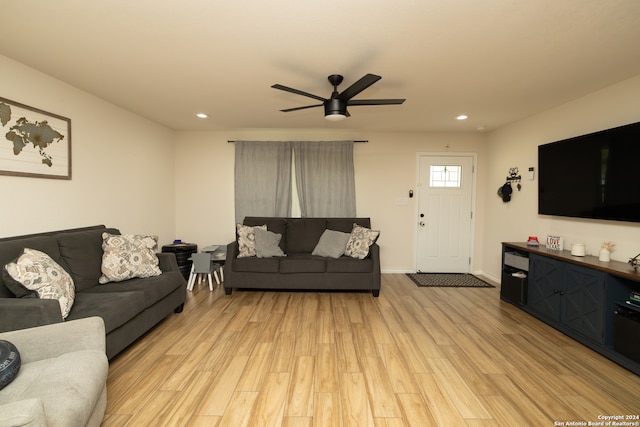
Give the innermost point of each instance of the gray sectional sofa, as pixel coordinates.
(128, 308)
(300, 269)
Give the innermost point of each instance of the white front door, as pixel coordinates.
(445, 194)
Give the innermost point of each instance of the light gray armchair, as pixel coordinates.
(63, 377)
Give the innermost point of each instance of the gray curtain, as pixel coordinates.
(262, 179)
(325, 178)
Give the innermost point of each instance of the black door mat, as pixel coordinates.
(448, 280)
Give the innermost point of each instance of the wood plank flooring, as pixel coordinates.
(412, 357)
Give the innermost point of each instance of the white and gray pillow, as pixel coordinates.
(127, 256)
(360, 241)
(36, 271)
(247, 239)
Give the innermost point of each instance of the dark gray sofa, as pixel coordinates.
(129, 308)
(299, 269)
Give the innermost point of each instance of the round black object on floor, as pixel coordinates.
(9, 363)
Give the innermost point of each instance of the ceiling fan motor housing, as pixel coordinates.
(335, 106)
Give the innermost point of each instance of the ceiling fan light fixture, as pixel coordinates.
(335, 110)
(335, 117)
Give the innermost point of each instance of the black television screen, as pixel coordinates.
(592, 176)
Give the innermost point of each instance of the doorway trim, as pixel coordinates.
(416, 213)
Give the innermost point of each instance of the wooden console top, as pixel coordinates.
(617, 268)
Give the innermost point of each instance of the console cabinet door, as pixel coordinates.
(545, 279)
(583, 301)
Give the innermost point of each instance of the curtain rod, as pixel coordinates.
(363, 141)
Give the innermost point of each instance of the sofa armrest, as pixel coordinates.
(49, 341)
(374, 254)
(232, 254)
(26, 412)
(21, 313)
(167, 262)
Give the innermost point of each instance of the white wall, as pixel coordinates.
(517, 144)
(141, 177)
(385, 171)
(122, 165)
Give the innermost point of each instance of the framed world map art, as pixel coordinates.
(34, 142)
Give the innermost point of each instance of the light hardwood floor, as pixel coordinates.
(412, 357)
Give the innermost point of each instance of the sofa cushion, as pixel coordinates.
(346, 224)
(247, 239)
(347, 264)
(303, 234)
(267, 244)
(82, 252)
(256, 265)
(116, 309)
(36, 271)
(360, 240)
(153, 289)
(302, 263)
(275, 225)
(127, 256)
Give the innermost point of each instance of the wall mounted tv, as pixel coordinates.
(592, 176)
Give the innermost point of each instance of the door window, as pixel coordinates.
(445, 176)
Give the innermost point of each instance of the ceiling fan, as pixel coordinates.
(335, 108)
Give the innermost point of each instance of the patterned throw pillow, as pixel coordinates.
(127, 256)
(36, 271)
(247, 240)
(360, 240)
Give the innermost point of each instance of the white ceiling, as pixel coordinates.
(495, 60)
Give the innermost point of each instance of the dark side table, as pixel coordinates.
(183, 252)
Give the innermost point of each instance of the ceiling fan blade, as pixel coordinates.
(286, 110)
(298, 92)
(375, 101)
(358, 86)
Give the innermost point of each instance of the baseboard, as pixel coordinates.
(406, 271)
(396, 271)
(487, 275)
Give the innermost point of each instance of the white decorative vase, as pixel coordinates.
(605, 255)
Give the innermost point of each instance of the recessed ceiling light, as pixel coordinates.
(462, 117)
(202, 115)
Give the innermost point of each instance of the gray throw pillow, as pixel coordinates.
(332, 244)
(267, 243)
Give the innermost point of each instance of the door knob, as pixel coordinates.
(421, 223)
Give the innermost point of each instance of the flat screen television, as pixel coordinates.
(592, 176)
